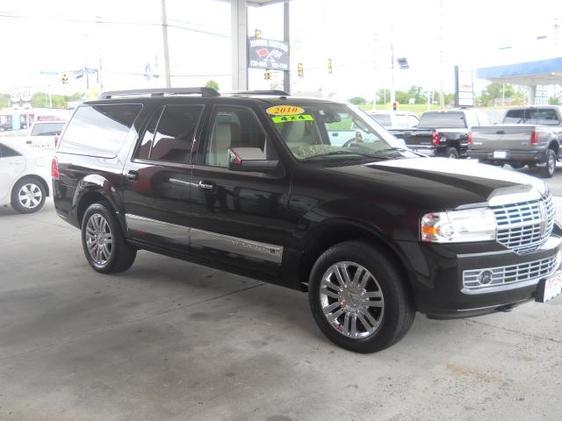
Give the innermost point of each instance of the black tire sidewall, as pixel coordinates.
(102, 209)
(452, 153)
(395, 295)
(15, 193)
(546, 170)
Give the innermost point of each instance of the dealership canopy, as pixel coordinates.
(531, 74)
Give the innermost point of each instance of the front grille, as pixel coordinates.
(524, 227)
(478, 280)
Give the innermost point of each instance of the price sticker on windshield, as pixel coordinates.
(284, 110)
(289, 118)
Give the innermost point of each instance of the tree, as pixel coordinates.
(4, 101)
(357, 100)
(495, 93)
(383, 96)
(553, 100)
(212, 84)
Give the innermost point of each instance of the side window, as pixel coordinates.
(6, 152)
(143, 149)
(99, 130)
(233, 127)
(173, 138)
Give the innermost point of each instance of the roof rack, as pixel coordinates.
(275, 92)
(203, 91)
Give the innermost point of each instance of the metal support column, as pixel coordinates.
(239, 36)
(532, 94)
(287, 39)
(167, 75)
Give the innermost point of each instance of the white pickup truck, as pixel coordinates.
(44, 134)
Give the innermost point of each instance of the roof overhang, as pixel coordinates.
(540, 72)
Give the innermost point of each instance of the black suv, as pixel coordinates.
(309, 194)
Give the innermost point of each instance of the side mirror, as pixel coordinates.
(250, 160)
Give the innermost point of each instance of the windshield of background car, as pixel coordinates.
(382, 119)
(545, 116)
(331, 131)
(449, 120)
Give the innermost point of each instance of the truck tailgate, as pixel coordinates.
(491, 138)
(422, 138)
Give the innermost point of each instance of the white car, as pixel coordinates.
(25, 178)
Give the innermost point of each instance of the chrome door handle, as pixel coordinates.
(205, 185)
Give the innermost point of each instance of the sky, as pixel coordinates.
(42, 39)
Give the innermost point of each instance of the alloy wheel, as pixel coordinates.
(30, 196)
(99, 239)
(352, 300)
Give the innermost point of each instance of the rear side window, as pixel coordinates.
(169, 135)
(544, 116)
(47, 129)
(6, 152)
(99, 130)
(444, 120)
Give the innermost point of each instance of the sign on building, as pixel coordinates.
(268, 54)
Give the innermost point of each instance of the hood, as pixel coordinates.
(441, 183)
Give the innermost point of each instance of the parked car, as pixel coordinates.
(528, 136)
(396, 120)
(44, 134)
(443, 133)
(24, 176)
(251, 184)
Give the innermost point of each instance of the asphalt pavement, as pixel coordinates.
(170, 340)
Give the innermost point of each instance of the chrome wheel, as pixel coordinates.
(351, 300)
(30, 196)
(99, 239)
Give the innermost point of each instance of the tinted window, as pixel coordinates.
(433, 120)
(406, 121)
(233, 127)
(532, 116)
(174, 136)
(383, 119)
(99, 130)
(6, 152)
(143, 150)
(47, 129)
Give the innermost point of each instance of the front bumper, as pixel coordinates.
(523, 156)
(445, 277)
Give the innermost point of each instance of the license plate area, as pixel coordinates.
(549, 288)
(500, 154)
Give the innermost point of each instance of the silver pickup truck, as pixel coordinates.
(528, 136)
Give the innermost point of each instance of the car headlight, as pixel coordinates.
(459, 226)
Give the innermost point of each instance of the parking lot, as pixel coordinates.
(173, 340)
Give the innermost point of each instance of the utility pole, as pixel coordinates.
(392, 87)
(166, 48)
(287, 39)
(441, 56)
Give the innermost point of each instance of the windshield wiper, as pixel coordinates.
(332, 153)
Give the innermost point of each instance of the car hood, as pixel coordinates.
(440, 183)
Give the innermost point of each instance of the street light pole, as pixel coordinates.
(166, 48)
(392, 87)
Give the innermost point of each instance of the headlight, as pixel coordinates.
(459, 226)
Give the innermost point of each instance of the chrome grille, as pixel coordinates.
(479, 280)
(524, 227)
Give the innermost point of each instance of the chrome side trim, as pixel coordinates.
(176, 233)
(201, 238)
(249, 248)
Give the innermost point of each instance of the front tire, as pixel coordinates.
(28, 195)
(103, 242)
(358, 298)
(550, 164)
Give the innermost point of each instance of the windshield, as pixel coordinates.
(47, 129)
(330, 131)
(443, 120)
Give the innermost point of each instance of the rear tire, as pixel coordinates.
(549, 164)
(452, 153)
(517, 165)
(28, 195)
(103, 242)
(344, 311)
